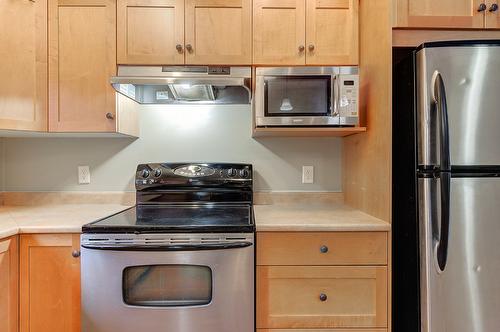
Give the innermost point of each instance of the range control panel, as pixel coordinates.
(192, 174)
(348, 92)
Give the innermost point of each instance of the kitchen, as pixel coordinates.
(138, 137)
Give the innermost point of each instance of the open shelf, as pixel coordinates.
(307, 132)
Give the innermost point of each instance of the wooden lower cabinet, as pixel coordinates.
(321, 330)
(49, 283)
(321, 296)
(9, 284)
(322, 281)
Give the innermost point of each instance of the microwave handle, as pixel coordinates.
(335, 96)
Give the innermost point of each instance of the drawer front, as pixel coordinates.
(321, 330)
(312, 248)
(291, 297)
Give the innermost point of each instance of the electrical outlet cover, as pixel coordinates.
(83, 174)
(307, 174)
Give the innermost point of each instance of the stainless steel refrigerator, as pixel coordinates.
(446, 187)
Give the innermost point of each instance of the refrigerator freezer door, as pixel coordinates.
(465, 297)
(471, 76)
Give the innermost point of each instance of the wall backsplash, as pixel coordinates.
(170, 133)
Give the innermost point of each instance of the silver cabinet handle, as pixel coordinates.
(110, 116)
(311, 47)
(493, 8)
(76, 253)
(302, 48)
(178, 47)
(482, 7)
(189, 47)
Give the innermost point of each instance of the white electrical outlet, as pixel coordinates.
(307, 174)
(83, 175)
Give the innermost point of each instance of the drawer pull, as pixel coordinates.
(76, 253)
(323, 249)
(323, 297)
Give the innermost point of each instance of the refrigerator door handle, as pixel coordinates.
(441, 247)
(439, 98)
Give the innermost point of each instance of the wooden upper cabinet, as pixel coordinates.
(82, 58)
(150, 32)
(279, 32)
(332, 32)
(23, 65)
(218, 32)
(9, 284)
(492, 20)
(49, 283)
(439, 14)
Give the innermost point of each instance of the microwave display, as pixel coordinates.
(297, 95)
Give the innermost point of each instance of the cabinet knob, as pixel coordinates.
(178, 47)
(189, 47)
(493, 8)
(302, 48)
(323, 297)
(110, 116)
(323, 249)
(482, 7)
(76, 253)
(311, 47)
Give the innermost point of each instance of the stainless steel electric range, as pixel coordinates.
(182, 259)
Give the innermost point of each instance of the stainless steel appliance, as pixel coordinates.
(182, 259)
(184, 84)
(306, 96)
(446, 188)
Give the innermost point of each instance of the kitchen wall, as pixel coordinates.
(170, 133)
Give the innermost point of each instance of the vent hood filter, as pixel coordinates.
(188, 92)
(181, 85)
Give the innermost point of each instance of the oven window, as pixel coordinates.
(297, 95)
(167, 285)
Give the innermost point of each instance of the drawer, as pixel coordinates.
(290, 297)
(322, 330)
(313, 248)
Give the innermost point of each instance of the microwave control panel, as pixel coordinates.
(348, 89)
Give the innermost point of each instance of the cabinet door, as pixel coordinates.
(49, 283)
(150, 32)
(219, 32)
(82, 58)
(310, 297)
(493, 15)
(9, 281)
(439, 14)
(279, 32)
(23, 65)
(332, 32)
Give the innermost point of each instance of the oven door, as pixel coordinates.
(182, 282)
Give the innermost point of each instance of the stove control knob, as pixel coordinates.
(231, 172)
(157, 172)
(244, 173)
(145, 173)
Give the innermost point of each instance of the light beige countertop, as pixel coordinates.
(69, 218)
(52, 218)
(315, 218)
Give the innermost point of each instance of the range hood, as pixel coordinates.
(184, 84)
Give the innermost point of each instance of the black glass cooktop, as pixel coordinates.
(177, 219)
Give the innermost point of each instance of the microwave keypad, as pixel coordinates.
(348, 103)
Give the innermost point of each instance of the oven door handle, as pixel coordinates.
(168, 247)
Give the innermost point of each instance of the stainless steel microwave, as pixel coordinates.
(306, 96)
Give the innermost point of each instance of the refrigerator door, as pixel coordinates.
(471, 79)
(465, 295)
